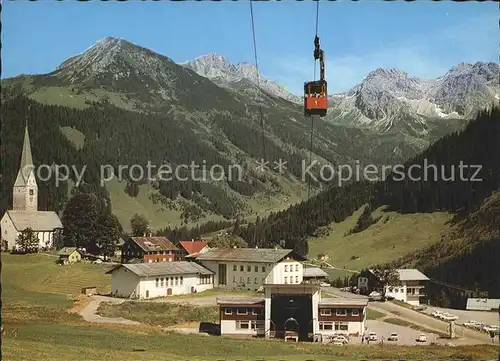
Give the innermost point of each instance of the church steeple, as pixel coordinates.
(25, 192)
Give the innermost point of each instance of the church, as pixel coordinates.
(25, 213)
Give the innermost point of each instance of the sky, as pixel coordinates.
(423, 38)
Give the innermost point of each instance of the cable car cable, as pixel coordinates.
(312, 118)
(258, 84)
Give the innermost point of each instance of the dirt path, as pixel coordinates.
(89, 312)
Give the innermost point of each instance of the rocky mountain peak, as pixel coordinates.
(218, 69)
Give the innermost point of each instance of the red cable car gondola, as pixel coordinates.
(315, 92)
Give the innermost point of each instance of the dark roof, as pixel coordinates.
(193, 246)
(239, 301)
(66, 251)
(314, 272)
(261, 255)
(343, 302)
(164, 268)
(151, 244)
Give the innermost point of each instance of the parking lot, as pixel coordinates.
(407, 336)
(489, 318)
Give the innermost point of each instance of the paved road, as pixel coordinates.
(413, 316)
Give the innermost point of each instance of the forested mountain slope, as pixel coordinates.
(447, 188)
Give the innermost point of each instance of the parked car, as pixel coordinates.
(448, 316)
(324, 284)
(419, 308)
(372, 336)
(340, 340)
(422, 338)
(210, 328)
(393, 337)
(436, 313)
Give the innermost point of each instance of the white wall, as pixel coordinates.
(286, 272)
(399, 295)
(10, 234)
(229, 327)
(124, 283)
(249, 278)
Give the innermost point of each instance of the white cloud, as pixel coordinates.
(423, 55)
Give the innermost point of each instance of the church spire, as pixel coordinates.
(25, 192)
(26, 157)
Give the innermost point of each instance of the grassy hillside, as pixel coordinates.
(37, 280)
(393, 235)
(467, 255)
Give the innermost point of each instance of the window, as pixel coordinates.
(182, 279)
(176, 281)
(242, 325)
(241, 279)
(286, 280)
(241, 268)
(325, 312)
(234, 279)
(171, 281)
(256, 268)
(157, 280)
(396, 290)
(248, 280)
(242, 311)
(228, 311)
(341, 326)
(32, 192)
(161, 282)
(234, 267)
(255, 280)
(296, 279)
(341, 312)
(256, 324)
(355, 312)
(291, 279)
(286, 268)
(249, 268)
(390, 289)
(296, 268)
(263, 268)
(326, 325)
(256, 311)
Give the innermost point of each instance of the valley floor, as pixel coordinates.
(40, 300)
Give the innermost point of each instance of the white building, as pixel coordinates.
(411, 289)
(25, 213)
(296, 308)
(150, 280)
(250, 268)
(483, 304)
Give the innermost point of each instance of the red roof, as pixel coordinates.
(193, 246)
